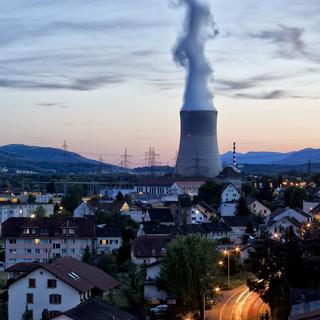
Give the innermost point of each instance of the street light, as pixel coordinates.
(227, 253)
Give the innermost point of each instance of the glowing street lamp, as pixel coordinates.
(227, 253)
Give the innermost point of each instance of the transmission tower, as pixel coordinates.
(65, 148)
(152, 157)
(125, 162)
(101, 158)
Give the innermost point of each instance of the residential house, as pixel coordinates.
(152, 292)
(56, 287)
(308, 206)
(238, 224)
(189, 187)
(230, 174)
(154, 187)
(227, 209)
(296, 213)
(10, 210)
(94, 205)
(259, 208)
(148, 249)
(305, 304)
(95, 309)
(230, 193)
(40, 239)
(197, 216)
(207, 210)
(279, 228)
(109, 239)
(162, 215)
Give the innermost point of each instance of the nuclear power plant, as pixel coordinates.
(198, 150)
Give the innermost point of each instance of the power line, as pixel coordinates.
(125, 162)
(152, 157)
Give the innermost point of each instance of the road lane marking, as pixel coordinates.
(237, 292)
(237, 301)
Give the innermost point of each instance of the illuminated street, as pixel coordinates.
(237, 304)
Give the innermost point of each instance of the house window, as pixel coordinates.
(116, 241)
(29, 298)
(12, 241)
(104, 242)
(32, 283)
(52, 283)
(27, 250)
(37, 251)
(56, 246)
(71, 231)
(55, 299)
(37, 241)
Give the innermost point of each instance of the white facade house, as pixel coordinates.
(56, 287)
(188, 187)
(41, 239)
(259, 208)
(227, 209)
(83, 209)
(59, 298)
(297, 214)
(197, 216)
(230, 194)
(109, 239)
(14, 210)
(151, 290)
(308, 206)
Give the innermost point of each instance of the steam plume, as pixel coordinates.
(189, 52)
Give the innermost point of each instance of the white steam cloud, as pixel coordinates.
(190, 53)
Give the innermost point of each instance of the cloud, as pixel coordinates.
(290, 42)
(52, 105)
(248, 83)
(83, 84)
(273, 95)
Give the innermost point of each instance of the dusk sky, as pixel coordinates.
(100, 74)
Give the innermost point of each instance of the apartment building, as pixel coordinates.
(41, 239)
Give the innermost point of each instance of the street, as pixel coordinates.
(237, 304)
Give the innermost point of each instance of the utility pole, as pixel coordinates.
(125, 162)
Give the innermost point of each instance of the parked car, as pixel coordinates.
(160, 310)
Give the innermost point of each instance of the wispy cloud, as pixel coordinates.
(290, 42)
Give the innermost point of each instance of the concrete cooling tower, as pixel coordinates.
(198, 150)
(198, 154)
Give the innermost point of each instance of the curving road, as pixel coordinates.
(237, 304)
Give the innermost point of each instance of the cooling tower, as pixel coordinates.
(198, 154)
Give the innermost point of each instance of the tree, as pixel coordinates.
(242, 208)
(131, 282)
(189, 269)
(277, 267)
(210, 192)
(45, 315)
(40, 212)
(27, 315)
(119, 196)
(294, 196)
(108, 263)
(72, 198)
(31, 198)
(89, 256)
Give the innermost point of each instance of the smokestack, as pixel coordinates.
(198, 150)
(234, 156)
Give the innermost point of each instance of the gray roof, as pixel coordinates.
(86, 276)
(97, 309)
(236, 221)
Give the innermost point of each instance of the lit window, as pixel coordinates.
(37, 241)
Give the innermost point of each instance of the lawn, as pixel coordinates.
(236, 280)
